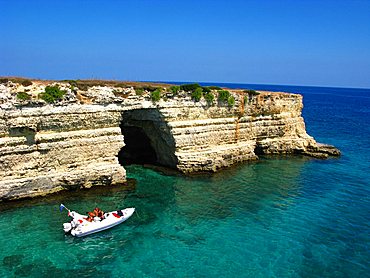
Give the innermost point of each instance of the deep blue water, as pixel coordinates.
(278, 217)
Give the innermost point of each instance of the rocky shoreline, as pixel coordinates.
(84, 136)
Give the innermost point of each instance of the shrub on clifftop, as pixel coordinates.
(52, 94)
(231, 101)
(175, 89)
(214, 88)
(209, 97)
(23, 96)
(156, 95)
(197, 94)
(189, 87)
(139, 91)
(223, 95)
(206, 89)
(151, 88)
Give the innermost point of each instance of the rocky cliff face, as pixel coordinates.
(79, 141)
(48, 149)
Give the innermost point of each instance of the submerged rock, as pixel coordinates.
(12, 261)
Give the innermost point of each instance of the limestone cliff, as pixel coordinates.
(79, 141)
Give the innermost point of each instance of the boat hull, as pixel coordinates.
(83, 228)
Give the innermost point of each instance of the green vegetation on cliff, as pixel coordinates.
(209, 97)
(190, 87)
(156, 91)
(23, 96)
(175, 89)
(197, 94)
(223, 95)
(193, 87)
(231, 101)
(156, 94)
(214, 88)
(206, 89)
(139, 91)
(52, 94)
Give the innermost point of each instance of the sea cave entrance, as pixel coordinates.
(147, 138)
(138, 149)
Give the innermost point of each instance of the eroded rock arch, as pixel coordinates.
(148, 139)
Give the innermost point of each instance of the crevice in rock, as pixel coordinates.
(148, 139)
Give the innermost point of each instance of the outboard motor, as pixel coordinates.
(67, 227)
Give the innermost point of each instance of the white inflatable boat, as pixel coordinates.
(79, 226)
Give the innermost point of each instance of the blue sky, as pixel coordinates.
(323, 43)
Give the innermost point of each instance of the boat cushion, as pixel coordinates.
(116, 215)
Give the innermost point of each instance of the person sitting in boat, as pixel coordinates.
(99, 213)
(90, 216)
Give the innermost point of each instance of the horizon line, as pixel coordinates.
(171, 81)
(260, 84)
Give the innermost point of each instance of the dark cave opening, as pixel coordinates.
(148, 139)
(138, 149)
(258, 150)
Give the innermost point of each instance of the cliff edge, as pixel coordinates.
(77, 134)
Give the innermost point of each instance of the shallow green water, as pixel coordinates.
(258, 219)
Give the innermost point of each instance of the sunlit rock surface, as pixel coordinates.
(85, 139)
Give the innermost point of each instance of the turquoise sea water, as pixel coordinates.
(278, 217)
